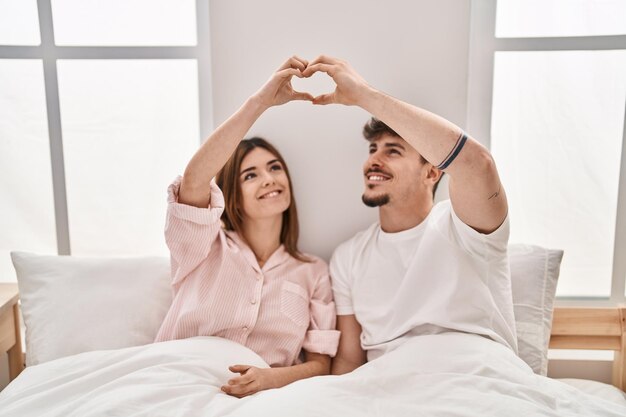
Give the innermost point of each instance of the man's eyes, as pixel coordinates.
(390, 151)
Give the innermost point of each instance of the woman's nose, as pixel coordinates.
(268, 179)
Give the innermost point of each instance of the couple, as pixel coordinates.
(232, 229)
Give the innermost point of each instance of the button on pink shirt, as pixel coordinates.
(220, 290)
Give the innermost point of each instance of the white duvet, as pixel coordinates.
(450, 374)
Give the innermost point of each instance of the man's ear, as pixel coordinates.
(433, 173)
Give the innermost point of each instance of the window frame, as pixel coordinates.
(48, 52)
(482, 48)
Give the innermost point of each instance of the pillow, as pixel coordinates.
(72, 304)
(534, 275)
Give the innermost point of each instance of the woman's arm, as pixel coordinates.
(216, 150)
(253, 379)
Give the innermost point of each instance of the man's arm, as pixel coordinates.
(349, 353)
(475, 189)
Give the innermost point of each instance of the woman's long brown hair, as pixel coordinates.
(228, 181)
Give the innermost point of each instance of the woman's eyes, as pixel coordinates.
(250, 175)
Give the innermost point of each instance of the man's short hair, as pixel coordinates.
(375, 128)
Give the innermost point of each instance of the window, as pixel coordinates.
(548, 96)
(98, 116)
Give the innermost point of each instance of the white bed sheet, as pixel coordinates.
(450, 374)
(599, 389)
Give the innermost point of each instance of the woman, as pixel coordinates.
(247, 281)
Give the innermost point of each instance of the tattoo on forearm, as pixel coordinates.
(497, 193)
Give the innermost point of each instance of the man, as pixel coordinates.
(424, 268)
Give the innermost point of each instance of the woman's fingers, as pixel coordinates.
(241, 369)
(298, 95)
(237, 390)
(294, 62)
(289, 72)
(240, 380)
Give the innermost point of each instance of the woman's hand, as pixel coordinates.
(278, 90)
(253, 379)
(250, 381)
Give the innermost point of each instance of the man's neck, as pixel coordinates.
(263, 236)
(397, 218)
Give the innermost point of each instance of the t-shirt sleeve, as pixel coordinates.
(479, 244)
(321, 337)
(340, 279)
(190, 231)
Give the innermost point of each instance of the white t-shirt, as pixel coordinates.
(439, 276)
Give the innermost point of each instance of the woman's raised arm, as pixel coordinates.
(216, 150)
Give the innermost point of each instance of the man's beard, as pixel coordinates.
(376, 201)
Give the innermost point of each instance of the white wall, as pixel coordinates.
(416, 51)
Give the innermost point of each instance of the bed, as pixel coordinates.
(99, 373)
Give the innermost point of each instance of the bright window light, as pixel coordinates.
(557, 126)
(19, 22)
(27, 204)
(124, 22)
(129, 127)
(550, 18)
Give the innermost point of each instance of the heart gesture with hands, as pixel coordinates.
(278, 90)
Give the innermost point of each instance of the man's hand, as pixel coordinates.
(250, 381)
(278, 89)
(351, 87)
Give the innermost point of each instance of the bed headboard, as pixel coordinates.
(593, 328)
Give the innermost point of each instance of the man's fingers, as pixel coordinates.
(325, 59)
(239, 368)
(313, 68)
(297, 95)
(294, 62)
(325, 99)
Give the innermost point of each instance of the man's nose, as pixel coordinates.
(374, 160)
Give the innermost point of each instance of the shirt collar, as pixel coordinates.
(277, 258)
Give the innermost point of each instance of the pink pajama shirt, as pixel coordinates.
(220, 290)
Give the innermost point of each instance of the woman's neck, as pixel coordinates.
(263, 236)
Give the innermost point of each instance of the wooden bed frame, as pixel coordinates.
(572, 328)
(593, 328)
